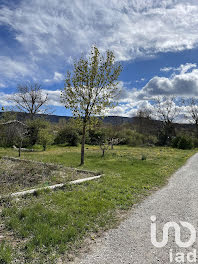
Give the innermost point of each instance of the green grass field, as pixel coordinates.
(51, 224)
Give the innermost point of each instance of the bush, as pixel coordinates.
(34, 126)
(95, 137)
(45, 138)
(175, 142)
(163, 139)
(130, 137)
(185, 143)
(195, 142)
(67, 135)
(149, 140)
(182, 142)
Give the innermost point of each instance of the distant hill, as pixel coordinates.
(114, 120)
(51, 118)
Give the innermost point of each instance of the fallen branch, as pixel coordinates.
(53, 187)
(23, 149)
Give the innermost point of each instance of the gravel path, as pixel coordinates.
(131, 242)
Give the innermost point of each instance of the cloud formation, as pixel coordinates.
(184, 83)
(2, 85)
(183, 68)
(57, 78)
(4, 99)
(14, 69)
(52, 33)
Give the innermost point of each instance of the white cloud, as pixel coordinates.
(182, 84)
(53, 97)
(58, 77)
(2, 85)
(183, 68)
(167, 69)
(117, 111)
(185, 83)
(56, 31)
(186, 67)
(4, 99)
(141, 80)
(13, 69)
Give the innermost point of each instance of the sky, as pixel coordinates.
(155, 40)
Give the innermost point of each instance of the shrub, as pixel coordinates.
(185, 143)
(95, 137)
(195, 142)
(34, 126)
(163, 139)
(149, 140)
(130, 137)
(67, 135)
(45, 138)
(175, 142)
(182, 142)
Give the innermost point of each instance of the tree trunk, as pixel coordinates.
(196, 125)
(31, 116)
(83, 143)
(20, 145)
(103, 153)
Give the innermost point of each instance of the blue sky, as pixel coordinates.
(156, 41)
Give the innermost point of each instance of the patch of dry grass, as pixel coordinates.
(18, 175)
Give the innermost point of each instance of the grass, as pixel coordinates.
(52, 223)
(5, 253)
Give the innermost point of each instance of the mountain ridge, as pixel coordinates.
(114, 120)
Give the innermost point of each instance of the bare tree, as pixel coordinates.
(192, 108)
(143, 117)
(144, 113)
(166, 110)
(30, 99)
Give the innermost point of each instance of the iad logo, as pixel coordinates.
(177, 229)
(179, 256)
